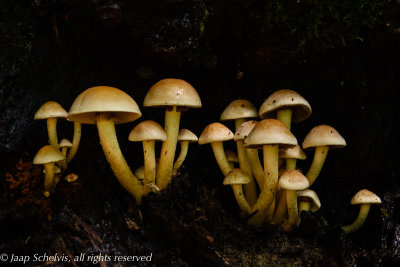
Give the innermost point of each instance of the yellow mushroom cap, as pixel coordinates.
(48, 154)
(187, 135)
(65, 143)
(365, 196)
(239, 109)
(50, 109)
(231, 156)
(244, 130)
(215, 132)
(104, 99)
(269, 132)
(147, 130)
(172, 92)
(294, 152)
(293, 180)
(324, 135)
(236, 176)
(311, 195)
(286, 99)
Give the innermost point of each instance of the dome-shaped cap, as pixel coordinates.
(365, 197)
(286, 99)
(187, 135)
(65, 143)
(48, 154)
(312, 197)
(172, 92)
(147, 130)
(269, 132)
(293, 152)
(231, 156)
(215, 132)
(324, 135)
(236, 176)
(293, 180)
(239, 109)
(50, 109)
(104, 99)
(244, 130)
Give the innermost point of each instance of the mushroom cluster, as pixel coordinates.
(270, 189)
(107, 106)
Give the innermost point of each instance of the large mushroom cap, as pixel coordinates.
(239, 109)
(365, 196)
(312, 196)
(104, 99)
(294, 152)
(50, 109)
(286, 99)
(172, 92)
(65, 143)
(324, 135)
(236, 176)
(215, 132)
(293, 180)
(244, 130)
(187, 135)
(147, 130)
(48, 154)
(268, 132)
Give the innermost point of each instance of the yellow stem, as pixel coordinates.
(181, 158)
(75, 141)
(250, 190)
(149, 165)
(52, 131)
(285, 116)
(318, 161)
(362, 216)
(240, 199)
(293, 214)
(281, 209)
(220, 157)
(256, 167)
(49, 177)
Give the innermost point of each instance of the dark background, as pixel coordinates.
(343, 57)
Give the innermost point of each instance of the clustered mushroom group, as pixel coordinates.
(273, 190)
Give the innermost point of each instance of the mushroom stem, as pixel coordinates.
(64, 162)
(291, 198)
(250, 190)
(304, 206)
(281, 209)
(181, 158)
(167, 156)
(48, 178)
(285, 116)
(149, 165)
(75, 141)
(112, 151)
(318, 161)
(362, 216)
(52, 131)
(291, 164)
(239, 122)
(268, 191)
(220, 157)
(256, 167)
(240, 199)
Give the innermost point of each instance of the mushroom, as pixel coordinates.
(364, 198)
(308, 200)
(51, 111)
(106, 106)
(323, 138)
(236, 178)
(64, 145)
(47, 156)
(75, 141)
(292, 181)
(232, 158)
(287, 106)
(184, 138)
(175, 95)
(268, 134)
(148, 132)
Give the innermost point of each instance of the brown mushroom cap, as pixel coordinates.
(244, 130)
(172, 92)
(104, 99)
(294, 152)
(324, 135)
(286, 99)
(236, 176)
(215, 132)
(48, 154)
(187, 135)
(147, 130)
(50, 109)
(293, 180)
(269, 132)
(65, 143)
(310, 194)
(231, 156)
(239, 109)
(365, 196)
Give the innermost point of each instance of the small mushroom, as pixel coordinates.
(184, 138)
(64, 145)
(323, 138)
(308, 201)
(51, 111)
(236, 179)
(239, 110)
(364, 198)
(175, 95)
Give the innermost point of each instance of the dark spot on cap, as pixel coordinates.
(273, 101)
(243, 105)
(292, 99)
